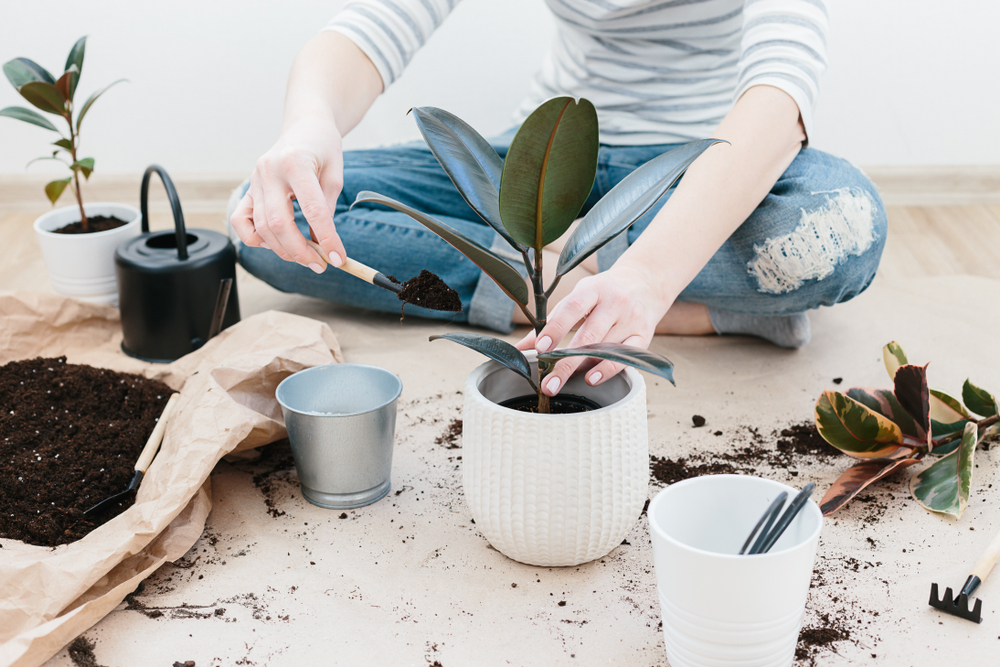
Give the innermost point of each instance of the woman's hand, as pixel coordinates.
(306, 164)
(621, 305)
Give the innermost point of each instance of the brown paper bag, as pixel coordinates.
(48, 596)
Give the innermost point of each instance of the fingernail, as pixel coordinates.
(316, 267)
(335, 259)
(553, 385)
(595, 378)
(543, 343)
(264, 246)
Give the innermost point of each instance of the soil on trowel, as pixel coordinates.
(95, 223)
(795, 445)
(69, 437)
(428, 291)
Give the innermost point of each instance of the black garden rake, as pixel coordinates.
(960, 607)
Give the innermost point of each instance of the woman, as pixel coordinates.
(757, 232)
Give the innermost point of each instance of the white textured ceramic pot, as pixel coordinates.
(82, 266)
(554, 490)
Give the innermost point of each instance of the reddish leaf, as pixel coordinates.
(857, 477)
(912, 393)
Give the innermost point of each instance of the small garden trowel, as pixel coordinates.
(960, 607)
(145, 458)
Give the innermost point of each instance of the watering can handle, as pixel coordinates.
(175, 206)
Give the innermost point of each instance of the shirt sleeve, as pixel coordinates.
(784, 45)
(389, 32)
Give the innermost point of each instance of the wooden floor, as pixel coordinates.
(925, 240)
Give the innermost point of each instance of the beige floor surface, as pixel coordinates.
(409, 581)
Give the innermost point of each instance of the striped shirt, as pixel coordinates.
(658, 71)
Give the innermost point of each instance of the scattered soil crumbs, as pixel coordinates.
(698, 421)
(95, 223)
(81, 652)
(186, 663)
(451, 438)
(429, 291)
(270, 472)
(69, 437)
(800, 443)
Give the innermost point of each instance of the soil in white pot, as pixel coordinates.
(95, 223)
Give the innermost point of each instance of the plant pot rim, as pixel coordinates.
(127, 207)
(329, 368)
(630, 375)
(658, 499)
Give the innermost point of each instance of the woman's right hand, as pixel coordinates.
(305, 164)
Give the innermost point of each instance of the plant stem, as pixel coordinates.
(541, 315)
(76, 173)
(981, 424)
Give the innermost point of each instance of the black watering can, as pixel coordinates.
(176, 289)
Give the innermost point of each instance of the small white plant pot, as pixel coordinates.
(554, 490)
(82, 266)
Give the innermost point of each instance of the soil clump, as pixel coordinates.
(428, 291)
(69, 437)
(451, 438)
(95, 223)
(81, 652)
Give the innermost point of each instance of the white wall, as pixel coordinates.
(908, 84)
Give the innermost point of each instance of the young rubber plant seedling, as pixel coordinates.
(530, 200)
(892, 429)
(55, 96)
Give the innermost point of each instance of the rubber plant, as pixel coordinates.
(530, 199)
(892, 429)
(55, 97)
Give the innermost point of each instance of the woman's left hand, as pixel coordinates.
(621, 305)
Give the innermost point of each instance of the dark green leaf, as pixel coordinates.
(912, 393)
(469, 160)
(884, 402)
(979, 400)
(502, 273)
(54, 189)
(63, 143)
(856, 478)
(75, 58)
(855, 429)
(644, 360)
(67, 83)
(498, 350)
(90, 101)
(894, 357)
(28, 116)
(945, 431)
(44, 96)
(549, 171)
(86, 165)
(944, 485)
(627, 202)
(20, 71)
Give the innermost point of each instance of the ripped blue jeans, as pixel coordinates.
(815, 240)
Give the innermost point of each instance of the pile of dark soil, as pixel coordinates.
(95, 223)
(428, 291)
(796, 444)
(69, 437)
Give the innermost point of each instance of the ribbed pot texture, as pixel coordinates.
(554, 490)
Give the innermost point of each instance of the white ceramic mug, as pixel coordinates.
(721, 609)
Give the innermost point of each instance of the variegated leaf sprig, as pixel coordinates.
(891, 429)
